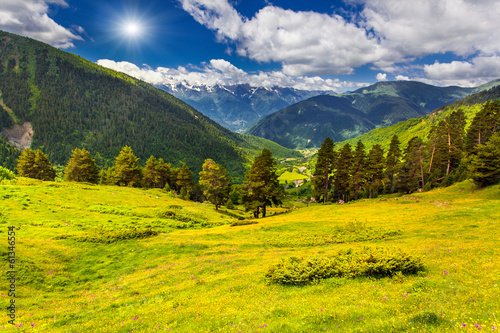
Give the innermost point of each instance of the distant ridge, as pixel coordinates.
(341, 117)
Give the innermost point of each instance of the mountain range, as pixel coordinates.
(238, 107)
(307, 123)
(56, 101)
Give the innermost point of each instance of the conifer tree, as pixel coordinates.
(184, 181)
(215, 182)
(322, 178)
(483, 125)
(262, 185)
(358, 169)
(81, 167)
(411, 175)
(375, 170)
(342, 177)
(35, 164)
(392, 162)
(486, 164)
(127, 171)
(156, 173)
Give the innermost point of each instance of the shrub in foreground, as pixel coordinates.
(377, 262)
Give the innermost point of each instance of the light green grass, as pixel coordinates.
(211, 278)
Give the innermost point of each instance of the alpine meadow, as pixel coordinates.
(204, 197)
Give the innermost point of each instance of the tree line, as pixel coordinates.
(450, 154)
(260, 190)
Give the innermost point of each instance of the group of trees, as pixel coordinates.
(261, 188)
(449, 155)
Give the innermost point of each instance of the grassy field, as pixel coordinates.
(110, 259)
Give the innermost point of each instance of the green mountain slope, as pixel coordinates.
(420, 127)
(307, 123)
(71, 102)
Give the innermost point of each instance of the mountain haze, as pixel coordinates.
(341, 117)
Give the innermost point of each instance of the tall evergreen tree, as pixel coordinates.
(127, 171)
(375, 170)
(35, 164)
(262, 185)
(215, 182)
(392, 162)
(485, 123)
(342, 177)
(411, 175)
(486, 164)
(156, 173)
(358, 170)
(322, 178)
(81, 167)
(184, 181)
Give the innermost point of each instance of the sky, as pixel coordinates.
(335, 45)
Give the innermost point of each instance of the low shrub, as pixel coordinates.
(107, 237)
(377, 262)
(6, 174)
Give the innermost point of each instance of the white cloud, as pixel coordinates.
(222, 72)
(389, 34)
(402, 78)
(30, 18)
(381, 77)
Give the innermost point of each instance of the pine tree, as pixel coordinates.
(262, 185)
(322, 179)
(184, 181)
(35, 164)
(486, 164)
(215, 182)
(342, 177)
(127, 171)
(358, 178)
(392, 162)
(375, 170)
(485, 123)
(81, 167)
(156, 173)
(411, 175)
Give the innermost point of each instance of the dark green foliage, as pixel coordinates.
(262, 187)
(348, 264)
(322, 178)
(127, 171)
(6, 120)
(374, 171)
(8, 154)
(358, 172)
(81, 167)
(485, 123)
(392, 162)
(215, 183)
(35, 164)
(103, 110)
(486, 164)
(156, 173)
(342, 178)
(411, 175)
(184, 183)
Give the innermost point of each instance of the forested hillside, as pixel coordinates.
(71, 102)
(346, 116)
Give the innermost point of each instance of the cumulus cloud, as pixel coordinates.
(30, 18)
(381, 77)
(222, 72)
(388, 34)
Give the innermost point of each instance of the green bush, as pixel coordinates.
(376, 262)
(107, 237)
(6, 174)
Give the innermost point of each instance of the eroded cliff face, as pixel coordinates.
(19, 136)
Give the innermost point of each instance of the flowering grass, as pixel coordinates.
(212, 278)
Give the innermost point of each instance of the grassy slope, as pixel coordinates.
(205, 280)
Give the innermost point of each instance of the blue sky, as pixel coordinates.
(316, 44)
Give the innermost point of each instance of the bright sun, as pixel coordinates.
(132, 28)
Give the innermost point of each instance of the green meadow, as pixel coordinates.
(115, 259)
